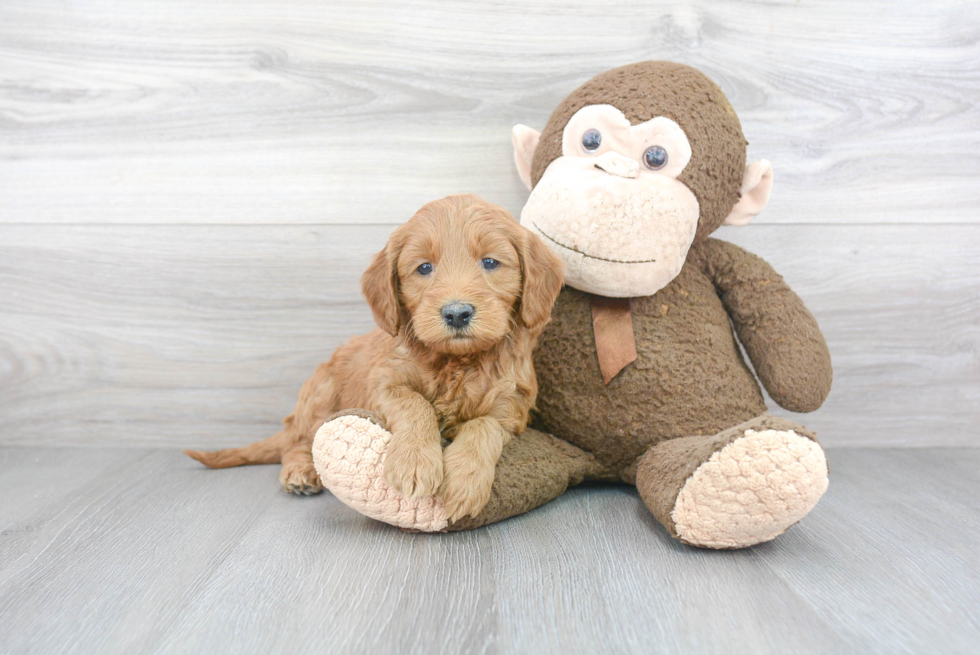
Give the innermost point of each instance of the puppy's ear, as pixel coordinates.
(544, 275)
(380, 286)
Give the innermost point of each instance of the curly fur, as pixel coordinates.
(426, 380)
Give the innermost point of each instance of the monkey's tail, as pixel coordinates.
(267, 451)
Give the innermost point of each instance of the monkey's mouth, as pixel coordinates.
(585, 254)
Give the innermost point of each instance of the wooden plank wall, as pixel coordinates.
(189, 190)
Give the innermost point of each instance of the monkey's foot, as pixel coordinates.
(739, 488)
(349, 454)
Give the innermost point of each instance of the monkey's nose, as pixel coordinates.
(616, 164)
(457, 315)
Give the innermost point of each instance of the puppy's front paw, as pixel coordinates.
(414, 469)
(466, 486)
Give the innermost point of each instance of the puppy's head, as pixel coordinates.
(461, 275)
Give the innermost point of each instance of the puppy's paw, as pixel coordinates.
(414, 469)
(300, 479)
(466, 486)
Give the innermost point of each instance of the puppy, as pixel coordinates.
(460, 294)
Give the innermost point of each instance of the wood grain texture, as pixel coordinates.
(190, 190)
(202, 335)
(157, 555)
(201, 111)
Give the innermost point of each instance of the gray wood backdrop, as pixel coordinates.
(189, 190)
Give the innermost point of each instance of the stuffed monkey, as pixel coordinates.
(641, 379)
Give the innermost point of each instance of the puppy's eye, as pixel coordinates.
(424, 269)
(489, 263)
(655, 157)
(591, 140)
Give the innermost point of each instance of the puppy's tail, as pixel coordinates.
(267, 451)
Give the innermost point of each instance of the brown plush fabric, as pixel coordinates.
(689, 377)
(779, 333)
(648, 89)
(663, 470)
(533, 469)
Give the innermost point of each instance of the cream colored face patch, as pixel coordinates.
(615, 134)
(611, 206)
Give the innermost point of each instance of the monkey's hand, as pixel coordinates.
(779, 333)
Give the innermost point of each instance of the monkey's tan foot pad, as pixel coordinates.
(751, 490)
(349, 454)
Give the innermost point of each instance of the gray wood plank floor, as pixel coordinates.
(112, 550)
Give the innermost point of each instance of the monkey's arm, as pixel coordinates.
(779, 333)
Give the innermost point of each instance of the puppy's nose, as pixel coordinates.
(457, 315)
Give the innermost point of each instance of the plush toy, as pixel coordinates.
(641, 377)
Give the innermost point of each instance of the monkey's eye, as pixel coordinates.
(489, 263)
(591, 140)
(424, 269)
(655, 157)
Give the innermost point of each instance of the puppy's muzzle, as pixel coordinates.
(457, 315)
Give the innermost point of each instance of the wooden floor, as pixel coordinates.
(143, 551)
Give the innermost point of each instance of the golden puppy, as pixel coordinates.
(461, 293)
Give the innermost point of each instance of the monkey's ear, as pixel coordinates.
(380, 286)
(756, 187)
(525, 143)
